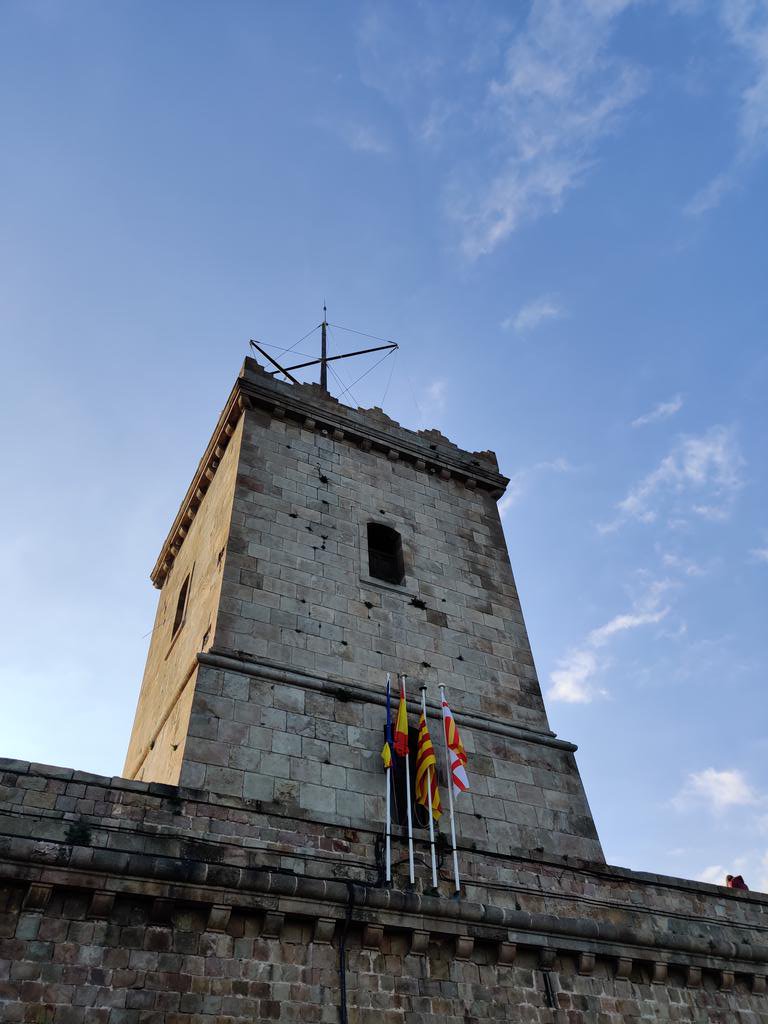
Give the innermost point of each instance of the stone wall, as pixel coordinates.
(310, 744)
(274, 533)
(131, 903)
(159, 730)
(297, 590)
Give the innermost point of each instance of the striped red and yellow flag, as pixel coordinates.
(427, 794)
(457, 754)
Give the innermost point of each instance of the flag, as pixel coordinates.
(425, 759)
(401, 725)
(457, 754)
(386, 750)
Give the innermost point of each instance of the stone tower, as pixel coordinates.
(235, 873)
(317, 548)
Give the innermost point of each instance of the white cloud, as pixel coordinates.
(520, 481)
(432, 402)
(687, 566)
(573, 681)
(661, 412)
(746, 25)
(718, 790)
(559, 95)
(707, 466)
(532, 314)
(714, 874)
(363, 138)
(619, 623)
(538, 92)
(759, 554)
(436, 392)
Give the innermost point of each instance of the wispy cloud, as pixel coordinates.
(714, 874)
(520, 481)
(760, 554)
(574, 679)
(432, 401)
(560, 94)
(661, 412)
(700, 476)
(746, 25)
(717, 790)
(532, 314)
(686, 566)
(359, 136)
(539, 91)
(364, 138)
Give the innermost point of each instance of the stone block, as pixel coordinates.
(586, 963)
(323, 930)
(218, 918)
(373, 936)
(507, 953)
(660, 972)
(102, 905)
(693, 976)
(37, 896)
(313, 797)
(272, 925)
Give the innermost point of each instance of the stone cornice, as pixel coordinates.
(351, 690)
(201, 481)
(157, 791)
(44, 866)
(370, 429)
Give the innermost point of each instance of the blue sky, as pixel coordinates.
(558, 210)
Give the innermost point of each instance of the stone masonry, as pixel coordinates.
(285, 701)
(236, 872)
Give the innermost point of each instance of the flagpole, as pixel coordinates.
(389, 787)
(411, 873)
(429, 791)
(449, 772)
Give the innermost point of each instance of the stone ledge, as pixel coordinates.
(275, 816)
(42, 867)
(464, 939)
(348, 690)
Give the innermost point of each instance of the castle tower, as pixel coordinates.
(317, 548)
(236, 874)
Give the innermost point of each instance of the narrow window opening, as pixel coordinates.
(385, 554)
(181, 606)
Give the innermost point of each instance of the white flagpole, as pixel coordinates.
(449, 773)
(389, 784)
(429, 791)
(411, 873)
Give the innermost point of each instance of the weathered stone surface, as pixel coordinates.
(254, 890)
(282, 602)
